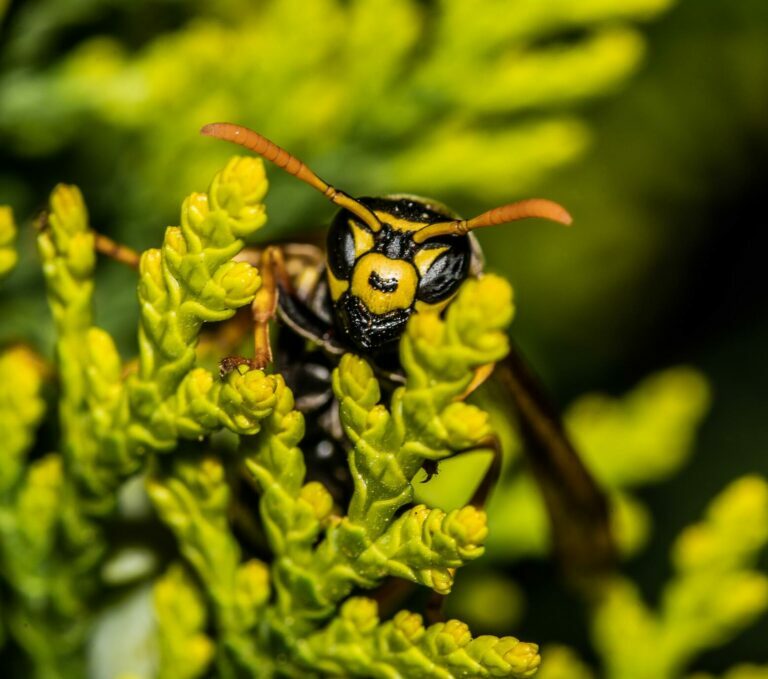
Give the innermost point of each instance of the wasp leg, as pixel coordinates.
(289, 274)
(102, 244)
(394, 591)
(264, 307)
(271, 264)
(480, 376)
(114, 250)
(491, 476)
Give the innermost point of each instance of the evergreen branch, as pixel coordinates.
(191, 280)
(46, 617)
(426, 546)
(357, 644)
(645, 435)
(655, 425)
(8, 254)
(192, 498)
(714, 594)
(185, 650)
(319, 557)
(441, 358)
(21, 409)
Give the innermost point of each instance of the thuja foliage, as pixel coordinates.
(218, 610)
(715, 592)
(630, 442)
(641, 438)
(8, 255)
(418, 85)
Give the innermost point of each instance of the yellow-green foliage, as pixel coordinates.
(413, 84)
(644, 437)
(8, 254)
(715, 592)
(301, 611)
(320, 556)
(560, 662)
(21, 408)
(53, 533)
(242, 617)
(185, 650)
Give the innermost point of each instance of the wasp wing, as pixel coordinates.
(577, 507)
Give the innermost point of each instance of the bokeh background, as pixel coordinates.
(648, 119)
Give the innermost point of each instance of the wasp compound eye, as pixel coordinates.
(341, 251)
(443, 278)
(443, 265)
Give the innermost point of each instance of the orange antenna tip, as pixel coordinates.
(220, 130)
(260, 145)
(523, 209)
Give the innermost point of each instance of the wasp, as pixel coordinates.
(387, 258)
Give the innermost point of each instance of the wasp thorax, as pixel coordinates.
(377, 279)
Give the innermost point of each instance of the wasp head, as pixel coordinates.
(379, 278)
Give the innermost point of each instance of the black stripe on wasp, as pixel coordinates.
(387, 258)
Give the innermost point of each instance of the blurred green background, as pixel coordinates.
(648, 119)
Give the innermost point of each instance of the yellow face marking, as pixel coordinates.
(336, 286)
(397, 277)
(424, 258)
(363, 238)
(398, 224)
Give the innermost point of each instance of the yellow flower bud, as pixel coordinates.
(441, 579)
(238, 279)
(523, 657)
(465, 424)
(410, 625)
(80, 254)
(458, 632)
(362, 612)
(194, 210)
(242, 182)
(68, 212)
(426, 327)
(468, 526)
(357, 380)
(252, 584)
(317, 497)
(175, 240)
(151, 271)
(198, 383)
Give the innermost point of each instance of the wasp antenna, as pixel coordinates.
(523, 209)
(533, 207)
(262, 146)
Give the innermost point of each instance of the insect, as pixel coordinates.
(386, 259)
